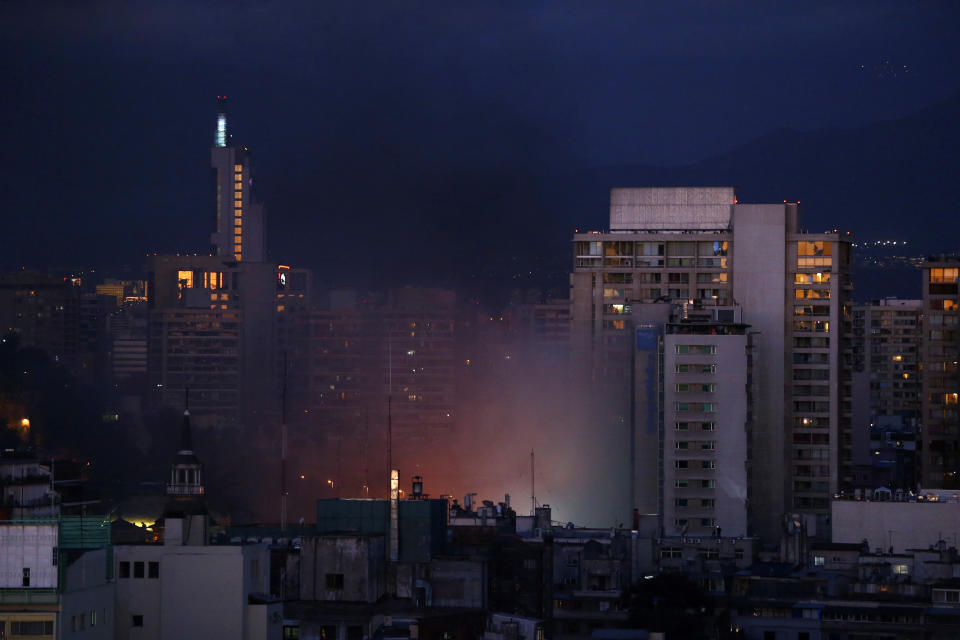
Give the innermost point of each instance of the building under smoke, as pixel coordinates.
(700, 248)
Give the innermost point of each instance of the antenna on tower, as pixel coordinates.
(389, 402)
(221, 137)
(533, 486)
(366, 451)
(283, 448)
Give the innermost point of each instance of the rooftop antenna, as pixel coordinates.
(389, 403)
(186, 439)
(366, 451)
(533, 486)
(283, 448)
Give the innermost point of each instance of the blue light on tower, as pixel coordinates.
(221, 140)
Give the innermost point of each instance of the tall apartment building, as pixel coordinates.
(699, 247)
(940, 435)
(240, 225)
(887, 389)
(888, 347)
(706, 420)
(211, 329)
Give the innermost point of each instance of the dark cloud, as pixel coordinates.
(109, 104)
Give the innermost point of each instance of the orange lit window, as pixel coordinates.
(814, 254)
(185, 279)
(818, 248)
(238, 168)
(943, 275)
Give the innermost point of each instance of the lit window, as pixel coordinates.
(943, 275)
(817, 248)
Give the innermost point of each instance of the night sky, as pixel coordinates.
(393, 136)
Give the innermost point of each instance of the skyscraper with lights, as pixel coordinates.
(240, 225)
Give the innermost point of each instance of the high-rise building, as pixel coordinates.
(888, 348)
(698, 247)
(886, 391)
(240, 225)
(706, 419)
(940, 435)
(212, 330)
(213, 318)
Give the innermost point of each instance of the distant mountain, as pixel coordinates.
(897, 179)
(486, 230)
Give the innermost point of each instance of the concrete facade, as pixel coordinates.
(27, 558)
(899, 526)
(191, 591)
(701, 248)
(668, 208)
(343, 568)
(87, 601)
(705, 432)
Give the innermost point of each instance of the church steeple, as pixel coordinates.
(185, 517)
(186, 472)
